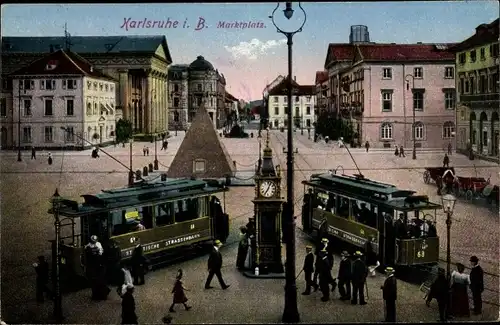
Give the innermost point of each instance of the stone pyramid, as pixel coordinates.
(201, 153)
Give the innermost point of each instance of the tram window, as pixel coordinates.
(362, 212)
(131, 220)
(164, 214)
(186, 210)
(321, 200)
(331, 203)
(343, 207)
(204, 210)
(97, 225)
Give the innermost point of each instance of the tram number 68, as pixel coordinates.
(421, 254)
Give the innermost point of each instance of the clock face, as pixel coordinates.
(267, 188)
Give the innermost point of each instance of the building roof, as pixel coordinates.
(61, 62)
(281, 89)
(200, 64)
(87, 44)
(230, 97)
(338, 52)
(202, 142)
(321, 76)
(485, 34)
(404, 52)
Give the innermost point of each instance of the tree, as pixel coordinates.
(123, 130)
(334, 127)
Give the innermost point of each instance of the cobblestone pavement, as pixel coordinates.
(26, 229)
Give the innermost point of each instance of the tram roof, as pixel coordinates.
(355, 182)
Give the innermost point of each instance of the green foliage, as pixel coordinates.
(330, 125)
(123, 130)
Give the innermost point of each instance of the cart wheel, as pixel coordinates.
(469, 195)
(427, 177)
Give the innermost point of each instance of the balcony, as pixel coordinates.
(483, 101)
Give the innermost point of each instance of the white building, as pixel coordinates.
(273, 84)
(304, 100)
(61, 90)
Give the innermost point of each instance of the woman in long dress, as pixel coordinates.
(242, 249)
(459, 297)
(179, 295)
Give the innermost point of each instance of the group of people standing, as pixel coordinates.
(246, 246)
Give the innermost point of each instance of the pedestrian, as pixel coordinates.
(139, 264)
(49, 159)
(327, 138)
(446, 161)
(401, 152)
(344, 277)
(308, 270)
(144, 151)
(317, 264)
(179, 295)
(147, 151)
(371, 256)
(128, 306)
(42, 279)
(439, 290)
(359, 274)
(242, 249)
(367, 146)
(476, 285)
(396, 152)
(459, 296)
(324, 275)
(214, 267)
(389, 294)
(126, 279)
(450, 149)
(33, 153)
(93, 262)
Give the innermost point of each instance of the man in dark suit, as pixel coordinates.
(359, 274)
(214, 267)
(324, 274)
(344, 277)
(308, 270)
(139, 264)
(42, 278)
(317, 265)
(389, 293)
(476, 284)
(440, 291)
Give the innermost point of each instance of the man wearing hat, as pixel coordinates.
(344, 277)
(324, 274)
(139, 264)
(318, 264)
(476, 284)
(128, 306)
(93, 266)
(389, 293)
(308, 270)
(214, 267)
(359, 274)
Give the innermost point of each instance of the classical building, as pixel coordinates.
(304, 100)
(477, 62)
(321, 92)
(138, 63)
(60, 90)
(189, 87)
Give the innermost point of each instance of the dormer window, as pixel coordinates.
(51, 65)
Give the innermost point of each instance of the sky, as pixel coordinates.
(250, 58)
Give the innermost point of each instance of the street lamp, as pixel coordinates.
(291, 311)
(55, 200)
(408, 76)
(448, 202)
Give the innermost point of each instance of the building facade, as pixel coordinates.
(138, 63)
(338, 58)
(477, 62)
(59, 91)
(193, 85)
(304, 101)
(321, 92)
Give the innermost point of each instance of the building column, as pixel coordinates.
(124, 91)
(147, 104)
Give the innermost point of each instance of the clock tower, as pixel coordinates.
(268, 206)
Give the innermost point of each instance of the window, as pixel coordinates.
(308, 110)
(95, 109)
(95, 85)
(449, 99)
(165, 214)
(27, 84)
(308, 99)
(386, 101)
(211, 87)
(69, 84)
(26, 134)
(275, 98)
(27, 107)
(100, 86)
(3, 107)
(89, 109)
(448, 130)
(176, 102)
(386, 131)
(48, 84)
(285, 99)
(495, 83)
(494, 50)
(483, 84)
(89, 85)
(483, 54)
(297, 112)
(69, 134)
(6, 84)
(199, 87)
(111, 87)
(276, 123)
(461, 58)
(387, 73)
(419, 131)
(106, 87)
(449, 72)
(418, 100)
(276, 111)
(472, 85)
(466, 87)
(48, 107)
(70, 108)
(176, 88)
(49, 135)
(308, 123)
(297, 99)
(418, 73)
(198, 166)
(472, 56)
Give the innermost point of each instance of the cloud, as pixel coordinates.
(252, 49)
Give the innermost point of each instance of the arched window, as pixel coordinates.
(386, 131)
(448, 130)
(419, 131)
(89, 109)
(95, 108)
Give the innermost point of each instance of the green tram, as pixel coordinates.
(352, 209)
(173, 214)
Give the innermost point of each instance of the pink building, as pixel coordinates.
(388, 88)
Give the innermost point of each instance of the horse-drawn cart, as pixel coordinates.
(444, 177)
(470, 187)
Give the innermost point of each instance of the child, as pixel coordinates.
(179, 295)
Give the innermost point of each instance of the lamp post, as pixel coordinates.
(19, 158)
(57, 256)
(291, 312)
(408, 76)
(448, 202)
